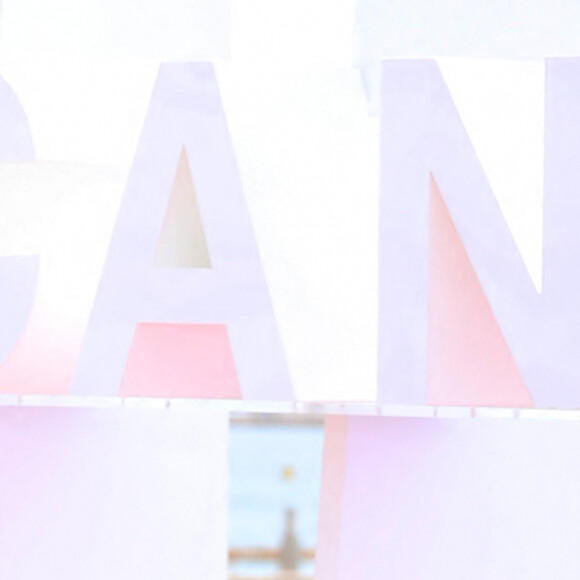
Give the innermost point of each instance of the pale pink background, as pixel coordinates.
(116, 494)
(450, 499)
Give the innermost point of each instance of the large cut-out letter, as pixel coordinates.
(422, 136)
(146, 280)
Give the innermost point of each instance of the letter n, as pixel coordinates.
(460, 321)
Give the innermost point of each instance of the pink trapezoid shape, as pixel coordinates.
(181, 360)
(469, 362)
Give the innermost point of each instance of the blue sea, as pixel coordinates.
(272, 468)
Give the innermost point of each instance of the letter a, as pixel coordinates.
(181, 313)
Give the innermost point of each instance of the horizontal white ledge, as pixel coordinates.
(289, 407)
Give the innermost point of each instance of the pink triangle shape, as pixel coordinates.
(469, 360)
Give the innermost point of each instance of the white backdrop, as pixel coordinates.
(306, 145)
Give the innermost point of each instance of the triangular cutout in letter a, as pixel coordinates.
(182, 242)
